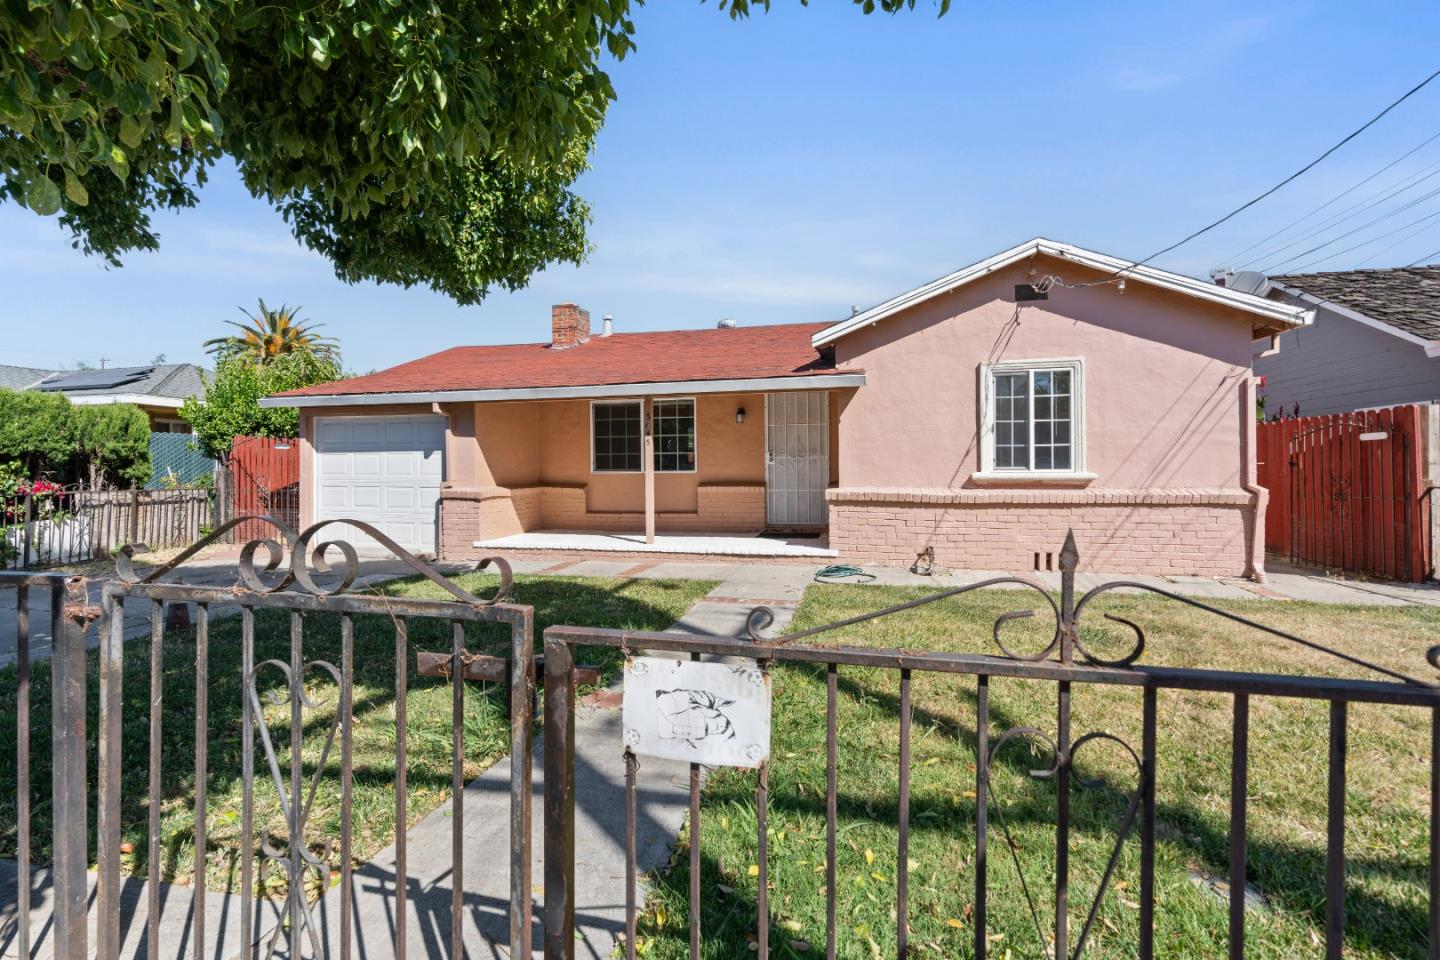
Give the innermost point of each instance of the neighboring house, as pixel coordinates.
(158, 389)
(1375, 342)
(978, 415)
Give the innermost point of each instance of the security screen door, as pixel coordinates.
(797, 457)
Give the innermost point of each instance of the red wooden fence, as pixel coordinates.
(1345, 491)
(266, 477)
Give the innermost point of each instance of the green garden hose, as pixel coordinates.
(841, 571)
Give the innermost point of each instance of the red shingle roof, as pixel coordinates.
(737, 353)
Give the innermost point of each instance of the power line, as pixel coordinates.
(1350, 212)
(1290, 179)
(1430, 257)
(1431, 139)
(1386, 249)
(1362, 243)
(1354, 230)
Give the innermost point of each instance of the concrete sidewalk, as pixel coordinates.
(662, 804)
(177, 919)
(759, 580)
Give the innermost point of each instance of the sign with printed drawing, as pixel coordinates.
(713, 713)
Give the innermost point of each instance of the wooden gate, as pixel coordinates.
(1345, 491)
(266, 476)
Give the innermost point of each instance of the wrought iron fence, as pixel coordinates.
(1067, 661)
(49, 525)
(293, 573)
(296, 574)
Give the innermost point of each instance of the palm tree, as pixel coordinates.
(270, 333)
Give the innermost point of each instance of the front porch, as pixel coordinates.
(703, 474)
(690, 545)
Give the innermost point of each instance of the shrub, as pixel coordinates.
(113, 443)
(231, 407)
(37, 430)
(45, 435)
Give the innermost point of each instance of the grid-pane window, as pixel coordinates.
(1012, 421)
(674, 423)
(1052, 419)
(1034, 419)
(616, 436)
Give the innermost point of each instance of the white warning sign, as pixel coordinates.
(717, 714)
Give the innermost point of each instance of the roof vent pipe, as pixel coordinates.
(608, 326)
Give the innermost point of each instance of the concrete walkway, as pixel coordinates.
(662, 804)
(177, 919)
(756, 579)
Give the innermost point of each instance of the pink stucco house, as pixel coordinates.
(980, 415)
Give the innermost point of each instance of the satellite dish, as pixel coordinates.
(1250, 281)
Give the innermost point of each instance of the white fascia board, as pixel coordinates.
(140, 399)
(760, 385)
(1269, 309)
(1432, 347)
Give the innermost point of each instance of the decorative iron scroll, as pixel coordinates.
(308, 557)
(1067, 613)
(1066, 647)
(295, 860)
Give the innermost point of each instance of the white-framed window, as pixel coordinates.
(617, 435)
(674, 423)
(1034, 414)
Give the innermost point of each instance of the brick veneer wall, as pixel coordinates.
(719, 507)
(1203, 532)
(467, 513)
(482, 513)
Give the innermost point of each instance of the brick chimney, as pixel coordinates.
(569, 325)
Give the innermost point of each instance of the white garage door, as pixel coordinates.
(383, 470)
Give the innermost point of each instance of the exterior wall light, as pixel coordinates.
(740, 415)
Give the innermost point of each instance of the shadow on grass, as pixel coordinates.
(633, 604)
(1290, 877)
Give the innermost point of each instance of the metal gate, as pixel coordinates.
(797, 458)
(1071, 660)
(294, 866)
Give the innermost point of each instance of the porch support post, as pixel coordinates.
(647, 456)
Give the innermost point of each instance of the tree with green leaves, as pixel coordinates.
(49, 437)
(37, 430)
(231, 407)
(409, 143)
(112, 442)
(272, 333)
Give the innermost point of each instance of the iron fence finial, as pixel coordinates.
(1069, 553)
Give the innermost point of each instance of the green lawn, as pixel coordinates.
(631, 604)
(1387, 800)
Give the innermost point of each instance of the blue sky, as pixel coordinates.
(786, 167)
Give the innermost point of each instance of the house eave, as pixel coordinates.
(1277, 313)
(752, 385)
(1431, 347)
(139, 399)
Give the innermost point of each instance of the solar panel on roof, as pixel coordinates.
(96, 379)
